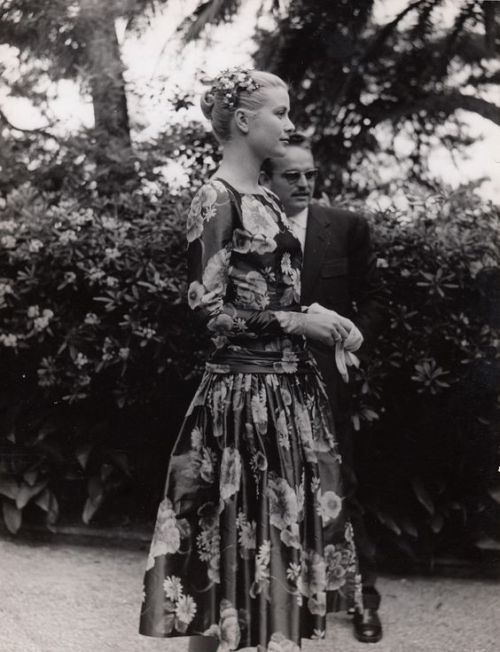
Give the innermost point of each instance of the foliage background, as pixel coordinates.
(98, 354)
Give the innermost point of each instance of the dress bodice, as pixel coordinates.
(244, 266)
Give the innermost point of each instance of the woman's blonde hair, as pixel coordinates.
(219, 109)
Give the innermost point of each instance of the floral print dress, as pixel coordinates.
(251, 543)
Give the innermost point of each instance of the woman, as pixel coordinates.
(251, 546)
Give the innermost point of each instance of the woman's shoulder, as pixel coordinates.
(212, 202)
(213, 196)
(273, 199)
(211, 192)
(267, 192)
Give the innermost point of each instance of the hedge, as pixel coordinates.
(99, 355)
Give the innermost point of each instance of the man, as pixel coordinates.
(339, 273)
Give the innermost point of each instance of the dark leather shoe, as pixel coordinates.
(367, 626)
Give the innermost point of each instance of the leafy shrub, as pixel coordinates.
(98, 351)
(429, 389)
(92, 313)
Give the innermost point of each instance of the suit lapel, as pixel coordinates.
(317, 238)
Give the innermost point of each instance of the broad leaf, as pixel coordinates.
(389, 522)
(82, 454)
(48, 502)
(437, 523)
(30, 477)
(408, 526)
(43, 500)
(423, 495)
(53, 512)
(12, 516)
(9, 487)
(95, 487)
(90, 508)
(26, 493)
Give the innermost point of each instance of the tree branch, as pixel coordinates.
(374, 48)
(437, 103)
(484, 78)
(209, 12)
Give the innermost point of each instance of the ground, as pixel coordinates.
(62, 598)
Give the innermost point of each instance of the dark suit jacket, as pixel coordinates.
(339, 272)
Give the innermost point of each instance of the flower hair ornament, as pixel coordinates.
(230, 83)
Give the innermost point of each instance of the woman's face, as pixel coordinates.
(270, 126)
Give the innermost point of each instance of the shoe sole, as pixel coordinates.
(369, 639)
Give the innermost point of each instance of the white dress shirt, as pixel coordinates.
(298, 225)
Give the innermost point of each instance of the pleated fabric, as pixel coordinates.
(251, 543)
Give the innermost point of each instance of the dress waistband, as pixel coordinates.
(263, 362)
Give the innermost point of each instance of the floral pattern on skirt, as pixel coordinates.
(251, 544)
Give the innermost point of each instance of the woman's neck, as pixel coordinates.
(240, 167)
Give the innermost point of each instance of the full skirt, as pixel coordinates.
(251, 544)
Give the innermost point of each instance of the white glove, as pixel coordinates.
(318, 327)
(344, 356)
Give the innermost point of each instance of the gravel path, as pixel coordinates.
(81, 599)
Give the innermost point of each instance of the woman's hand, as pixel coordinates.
(342, 325)
(351, 335)
(319, 327)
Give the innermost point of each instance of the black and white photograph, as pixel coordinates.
(249, 325)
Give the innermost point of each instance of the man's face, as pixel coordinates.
(293, 179)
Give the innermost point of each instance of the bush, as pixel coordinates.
(93, 320)
(100, 357)
(430, 457)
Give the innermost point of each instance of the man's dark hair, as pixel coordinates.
(296, 139)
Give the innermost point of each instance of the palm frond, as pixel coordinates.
(211, 12)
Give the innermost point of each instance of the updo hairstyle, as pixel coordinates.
(219, 111)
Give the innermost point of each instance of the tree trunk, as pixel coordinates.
(106, 70)
(107, 86)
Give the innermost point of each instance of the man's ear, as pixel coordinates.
(241, 120)
(264, 179)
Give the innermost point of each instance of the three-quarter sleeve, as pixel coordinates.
(213, 228)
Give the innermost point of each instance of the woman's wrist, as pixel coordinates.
(291, 322)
